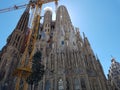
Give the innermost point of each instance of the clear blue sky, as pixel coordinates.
(99, 19)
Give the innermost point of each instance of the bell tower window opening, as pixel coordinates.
(67, 84)
(18, 38)
(76, 84)
(47, 85)
(21, 84)
(83, 86)
(62, 42)
(74, 43)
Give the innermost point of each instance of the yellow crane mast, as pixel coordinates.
(24, 70)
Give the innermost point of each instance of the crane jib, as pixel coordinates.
(15, 7)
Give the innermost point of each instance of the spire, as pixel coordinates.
(23, 22)
(85, 39)
(97, 57)
(113, 60)
(78, 34)
(84, 35)
(17, 36)
(27, 8)
(47, 20)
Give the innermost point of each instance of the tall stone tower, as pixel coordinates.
(114, 75)
(70, 63)
(12, 51)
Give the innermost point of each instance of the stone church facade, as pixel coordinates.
(70, 63)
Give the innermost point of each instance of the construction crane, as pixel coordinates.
(15, 7)
(23, 70)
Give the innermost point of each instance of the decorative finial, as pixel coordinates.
(96, 56)
(83, 34)
(113, 59)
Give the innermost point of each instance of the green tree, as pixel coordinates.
(37, 70)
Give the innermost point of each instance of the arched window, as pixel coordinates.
(21, 84)
(41, 85)
(47, 85)
(2, 74)
(62, 42)
(74, 43)
(60, 84)
(76, 84)
(83, 86)
(67, 84)
(95, 85)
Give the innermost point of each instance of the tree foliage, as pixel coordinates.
(37, 69)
